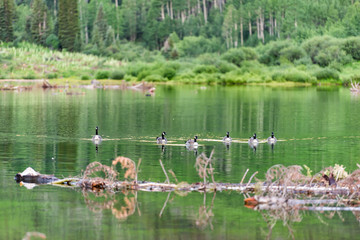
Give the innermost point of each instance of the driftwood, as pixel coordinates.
(280, 180)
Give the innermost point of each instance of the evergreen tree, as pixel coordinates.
(68, 19)
(7, 13)
(40, 21)
(100, 24)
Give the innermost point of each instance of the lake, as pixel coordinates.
(51, 130)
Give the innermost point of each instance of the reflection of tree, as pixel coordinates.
(287, 216)
(205, 214)
(99, 201)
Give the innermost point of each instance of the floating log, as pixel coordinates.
(29, 175)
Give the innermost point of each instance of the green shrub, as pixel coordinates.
(154, 78)
(205, 69)
(51, 76)
(168, 72)
(52, 41)
(102, 75)
(233, 78)
(192, 46)
(85, 77)
(29, 76)
(352, 47)
(292, 75)
(326, 73)
(271, 52)
(117, 75)
(238, 55)
(292, 53)
(143, 74)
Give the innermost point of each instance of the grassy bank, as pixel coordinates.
(235, 67)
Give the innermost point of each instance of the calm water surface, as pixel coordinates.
(51, 132)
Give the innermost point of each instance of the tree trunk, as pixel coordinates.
(168, 8)
(171, 11)
(257, 27)
(162, 12)
(250, 30)
(199, 7)
(205, 11)
(241, 32)
(271, 25)
(116, 3)
(189, 7)
(236, 40)
(55, 8)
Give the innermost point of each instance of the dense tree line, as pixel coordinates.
(101, 26)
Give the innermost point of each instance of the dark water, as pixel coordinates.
(51, 132)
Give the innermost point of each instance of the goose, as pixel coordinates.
(272, 139)
(192, 142)
(162, 139)
(253, 142)
(96, 138)
(227, 138)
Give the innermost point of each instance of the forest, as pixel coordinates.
(221, 41)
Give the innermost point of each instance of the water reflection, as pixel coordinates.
(206, 215)
(121, 205)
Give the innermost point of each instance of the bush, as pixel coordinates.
(326, 73)
(194, 46)
(51, 75)
(352, 47)
(168, 72)
(292, 75)
(233, 78)
(52, 41)
(102, 75)
(238, 55)
(117, 75)
(85, 77)
(271, 52)
(154, 78)
(205, 69)
(324, 50)
(293, 53)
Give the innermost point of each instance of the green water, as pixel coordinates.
(51, 132)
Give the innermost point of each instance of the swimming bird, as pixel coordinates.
(96, 139)
(162, 139)
(227, 138)
(192, 142)
(253, 142)
(272, 139)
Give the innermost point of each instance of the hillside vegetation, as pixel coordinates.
(191, 41)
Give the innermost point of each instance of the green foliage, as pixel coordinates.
(292, 53)
(52, 75)
(326, 73)
(52, 41)
(117, 75)
(102, 75)
(194, 46)
(292, 75)
(7, 14)
(85, 77)
(238, 55)
(352, 47)
(68, 22)
(205, 69)
(325, 50)
(272, 51)
(39, 22)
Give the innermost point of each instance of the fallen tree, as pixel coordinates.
(280, 180)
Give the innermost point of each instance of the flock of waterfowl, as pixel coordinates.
(192, 143)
